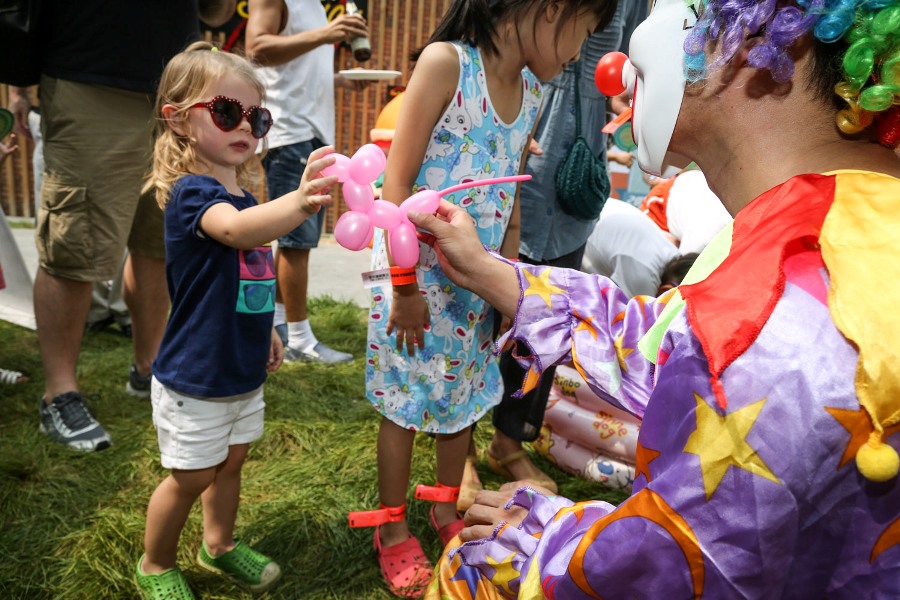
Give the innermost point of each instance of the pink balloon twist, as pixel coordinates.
(355, 228)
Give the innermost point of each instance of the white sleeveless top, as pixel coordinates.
(300, 93)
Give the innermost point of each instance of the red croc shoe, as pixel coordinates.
(404, 566)
(441, 493)
(448, 531)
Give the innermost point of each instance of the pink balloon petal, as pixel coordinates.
(366, 165)
(425, 201)
(353, 230)
(384, 214)
(358, 196)
(339, 168)
(404, 246)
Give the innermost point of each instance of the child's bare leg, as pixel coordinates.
(167, 512)
(452, 449)
(394, 457)
(220, 502)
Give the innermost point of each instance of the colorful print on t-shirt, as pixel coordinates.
(256, 292)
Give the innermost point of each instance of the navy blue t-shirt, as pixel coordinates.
(219, 332)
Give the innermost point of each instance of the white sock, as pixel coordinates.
(280, 316)
(301, 336)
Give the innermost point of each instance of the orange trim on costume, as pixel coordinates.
(888, 538)
(646, 504)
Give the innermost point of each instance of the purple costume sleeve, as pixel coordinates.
(568, 316)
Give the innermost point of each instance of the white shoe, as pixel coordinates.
(318, 353)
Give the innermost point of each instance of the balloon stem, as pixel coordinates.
(480, 182)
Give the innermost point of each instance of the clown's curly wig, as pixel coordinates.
(857, 63)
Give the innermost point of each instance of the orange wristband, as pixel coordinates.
(403, 276)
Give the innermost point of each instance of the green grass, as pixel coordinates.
(71, 524)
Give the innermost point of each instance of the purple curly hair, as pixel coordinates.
(862, 36)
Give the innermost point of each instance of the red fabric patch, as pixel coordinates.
(728, 309)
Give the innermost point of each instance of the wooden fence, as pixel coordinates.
(397, 27)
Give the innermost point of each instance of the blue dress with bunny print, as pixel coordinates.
(452, 382)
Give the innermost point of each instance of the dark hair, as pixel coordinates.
(475, 21)
(675, 270)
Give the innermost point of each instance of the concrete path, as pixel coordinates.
(334, 270)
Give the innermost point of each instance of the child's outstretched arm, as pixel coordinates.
(261, 224)
(427, 96)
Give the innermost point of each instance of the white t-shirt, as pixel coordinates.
(300, 93)
(693, 212)
(629, 248)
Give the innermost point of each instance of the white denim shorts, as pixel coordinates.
(195, 433)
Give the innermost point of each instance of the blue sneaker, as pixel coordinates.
(68, 421)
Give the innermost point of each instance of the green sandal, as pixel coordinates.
(168, 585)
(244, 564)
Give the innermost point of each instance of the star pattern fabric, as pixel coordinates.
(755, 497)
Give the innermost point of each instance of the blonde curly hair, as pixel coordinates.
(184, 82)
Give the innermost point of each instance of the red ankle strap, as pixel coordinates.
(373, 518)
(437, 493)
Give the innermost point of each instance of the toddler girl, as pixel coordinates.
(219, 342)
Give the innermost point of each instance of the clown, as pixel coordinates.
(768, 385)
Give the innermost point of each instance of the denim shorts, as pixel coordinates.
(284, 166)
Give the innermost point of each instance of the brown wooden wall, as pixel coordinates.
(396, 27)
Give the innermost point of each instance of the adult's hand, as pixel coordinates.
(489, 510)
(19, 106)
(344, 28)
(464, 259)
(354, 85)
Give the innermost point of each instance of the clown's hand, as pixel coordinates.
(489, 510)
(454, 239)
(464, 259)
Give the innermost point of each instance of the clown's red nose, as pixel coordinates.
(608, 74)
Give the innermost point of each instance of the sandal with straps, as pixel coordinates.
(499, 466)
(404, 566)
(442, 493)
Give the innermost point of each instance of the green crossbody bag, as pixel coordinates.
(582, 183)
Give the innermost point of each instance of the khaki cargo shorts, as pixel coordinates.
(97, 143)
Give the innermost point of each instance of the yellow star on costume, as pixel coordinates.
(539, 285)
(622, 353)
(720, 442)
(585, 324)
(504, 572)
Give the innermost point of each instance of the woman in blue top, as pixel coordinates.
(219, 342)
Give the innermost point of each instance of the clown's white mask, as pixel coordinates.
(654, 75)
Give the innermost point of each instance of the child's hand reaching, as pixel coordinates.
(276, 353)
(314, 186)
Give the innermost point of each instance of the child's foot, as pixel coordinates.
(404, 566)
(168, 585)
(243, 564)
